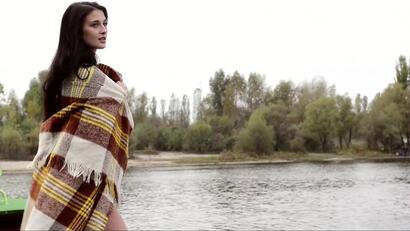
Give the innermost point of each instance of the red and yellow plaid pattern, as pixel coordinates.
(82, 155)
(74, 200)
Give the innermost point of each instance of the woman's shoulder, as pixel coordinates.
(110, 72)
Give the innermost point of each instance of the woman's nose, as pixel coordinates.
(103, 29)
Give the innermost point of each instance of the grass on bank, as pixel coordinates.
(146, 151)
(284, 156)
(198, 160)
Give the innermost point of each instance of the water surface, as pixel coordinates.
(254, 197)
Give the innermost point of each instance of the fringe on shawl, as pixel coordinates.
(77, 170)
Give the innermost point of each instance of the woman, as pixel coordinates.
(83, 142)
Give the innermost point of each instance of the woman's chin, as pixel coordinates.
(99, 46)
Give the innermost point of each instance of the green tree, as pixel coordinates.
(256, 91)
(205, 109)
(173, 111)
(217, 86)
(229, 107)
(3, 106)
(145, 135)
(32, 101)
(30, 129)
(12, 112)
(234, 96)
(132, 101)
(405, 111)
(11, 139)
(319, 124)
(11, 143)
(257, 138)
(176, 139)
(141, 108)
(2, 96)
(365, 104)
(402, 71)
(32, 115)
(222, 127)
(238, 83)
(163, 111)
(184, 112)
(153, 107)
(385, 123)
(358, 104)
(161, 143)
(308, 92)
(170, 139)
(198, 137)
(345, 120)
(284, 92)
(360, 115)
(277, 117)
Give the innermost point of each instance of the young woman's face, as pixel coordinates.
(95, 29)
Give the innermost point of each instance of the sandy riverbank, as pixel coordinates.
(163, 159)
(177, 159)
(13, 166)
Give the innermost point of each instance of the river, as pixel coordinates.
(354, 196)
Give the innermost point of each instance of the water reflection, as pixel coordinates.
(296, 196)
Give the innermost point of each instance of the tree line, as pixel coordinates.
(240, 115)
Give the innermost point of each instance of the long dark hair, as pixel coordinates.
(72, 53)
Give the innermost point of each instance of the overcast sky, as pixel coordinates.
(169, 46)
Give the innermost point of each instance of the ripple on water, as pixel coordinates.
(297, 196)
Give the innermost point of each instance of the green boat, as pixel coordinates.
(11, 211)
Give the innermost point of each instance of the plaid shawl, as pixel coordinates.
(82, 155)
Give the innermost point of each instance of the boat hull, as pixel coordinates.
(11, 214)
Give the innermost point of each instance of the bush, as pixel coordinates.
(145, 135)
(198, 137)
(30, 130)
(161, 143)
(176, 139)
(221, 124)
(11, 143)
(217, 142)
(229, 142)
(222, 127)
(257, 137)
(170, 139)
(297, 144)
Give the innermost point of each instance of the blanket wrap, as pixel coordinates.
(82, 155)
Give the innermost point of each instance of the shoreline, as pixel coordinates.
(174, 160)
(219, 164)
